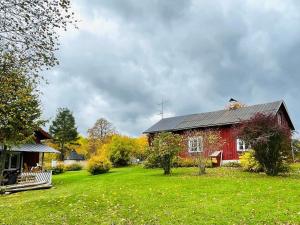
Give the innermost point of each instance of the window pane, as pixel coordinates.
(200, 144)
(241, 145)
(14, 161)
(192, 144)
(7, 161)
(195, 144)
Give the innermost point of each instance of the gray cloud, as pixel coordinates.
(127, 55)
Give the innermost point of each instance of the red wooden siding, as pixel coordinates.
(229, 148)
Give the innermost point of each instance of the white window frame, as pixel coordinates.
(238, 146)
(199, 144)
(9, 161)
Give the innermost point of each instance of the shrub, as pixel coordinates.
(270, 141)
(208, 164)
(73, 167)
(120, 150)
(120, 157)
(151, 162)
(185, 162)
(60, 168)
(165, 147)
(2, 190)
(232, 164)
(98, 165)
(249, 163)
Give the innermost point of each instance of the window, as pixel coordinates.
(12, 161)
(242, 145)
(195, 144)
(7, 161)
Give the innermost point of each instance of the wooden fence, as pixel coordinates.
(36, 177)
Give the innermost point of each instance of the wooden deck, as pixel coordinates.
(31, 181)
(26, 187)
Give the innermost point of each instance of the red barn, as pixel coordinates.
(223, 121)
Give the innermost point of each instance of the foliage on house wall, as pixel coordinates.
(211, 141)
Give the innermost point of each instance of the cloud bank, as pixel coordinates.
(128, 55)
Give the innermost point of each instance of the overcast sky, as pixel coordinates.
(128, 55)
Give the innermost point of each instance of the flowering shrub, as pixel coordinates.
(98, 165)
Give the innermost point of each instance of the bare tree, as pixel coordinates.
(97, 135)
(29, 32)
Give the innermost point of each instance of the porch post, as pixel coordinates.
(43, 161)
(21, 161)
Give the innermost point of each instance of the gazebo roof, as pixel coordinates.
(34, 148)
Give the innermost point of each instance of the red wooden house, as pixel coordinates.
(225, 122)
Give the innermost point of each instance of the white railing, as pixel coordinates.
(36, 177)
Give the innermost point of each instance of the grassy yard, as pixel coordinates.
(139, 196)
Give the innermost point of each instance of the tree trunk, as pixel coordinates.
(62, 152)
(2, 162)
(167, 171)
(202, 168)
(167, 167)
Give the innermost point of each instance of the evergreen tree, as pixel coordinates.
(64, 130)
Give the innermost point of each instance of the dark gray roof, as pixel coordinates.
(217, 118)
(34, 148)
(75, 156)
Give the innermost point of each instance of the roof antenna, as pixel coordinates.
(161, 113)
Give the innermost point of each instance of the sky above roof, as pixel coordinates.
(127, 56)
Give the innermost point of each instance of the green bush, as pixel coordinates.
(249, 163)
(120, 157)
(60, 168)
(164, 149)
(98, 165)
(121, 150)
(73, 167)
(151, 161)
(232, 164)
(2, 190)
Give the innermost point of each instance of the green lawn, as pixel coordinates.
(139, 196)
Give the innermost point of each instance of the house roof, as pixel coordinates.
(34, 148)
(75, 156)
(217, 118)
(42, 134)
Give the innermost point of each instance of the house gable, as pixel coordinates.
(284, 116)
